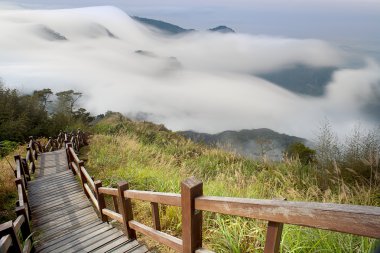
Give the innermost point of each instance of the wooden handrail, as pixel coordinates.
(108, 191)
(5, 243)
(171, 199)
(310, 214)
(89, 180)
(91, 196)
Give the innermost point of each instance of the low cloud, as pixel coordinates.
(202, 81)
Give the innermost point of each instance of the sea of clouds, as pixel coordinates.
(202, 81)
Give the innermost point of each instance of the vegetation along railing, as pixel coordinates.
(15, 236)
(353, 219)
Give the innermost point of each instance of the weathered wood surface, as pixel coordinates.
(64, 219)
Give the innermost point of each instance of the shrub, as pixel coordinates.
(6, 147)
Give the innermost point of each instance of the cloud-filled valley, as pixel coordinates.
(204, 81)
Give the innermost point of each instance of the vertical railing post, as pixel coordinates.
(273, 238)
(191, 188)
(31, 159)
(115, 204)
(156, 215)
(26, 168)
(25, 228)
(125, 206)
(20, 166)
(82, 177)
(8, 229)
(19, 181)
(101, 201)
(33, 146)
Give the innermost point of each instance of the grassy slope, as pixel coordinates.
(151, 158)
(8, 192)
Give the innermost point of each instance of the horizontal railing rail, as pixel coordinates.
(353, 219)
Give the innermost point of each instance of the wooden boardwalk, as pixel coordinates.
(64, 219)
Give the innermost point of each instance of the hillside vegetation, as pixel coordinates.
(150, 157)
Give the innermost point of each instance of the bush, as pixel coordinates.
(6, 147)
(299, 150)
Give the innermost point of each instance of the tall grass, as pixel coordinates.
(8, 192)
(151, 158)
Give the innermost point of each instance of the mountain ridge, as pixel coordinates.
(252, 143)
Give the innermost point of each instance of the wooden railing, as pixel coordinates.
(77, 138)
(353, 219)
(358, 220)
(10, 240)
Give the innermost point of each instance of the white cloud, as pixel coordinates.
(209, 86)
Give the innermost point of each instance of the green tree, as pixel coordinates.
(43, 97)
(66, 101)
(299, 150)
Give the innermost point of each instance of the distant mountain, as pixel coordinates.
(175, 29)
(302, 79)
(222, 29)
(250, 143)
(161, 25)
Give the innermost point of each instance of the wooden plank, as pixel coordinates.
(117, 243)
(53, 185)
(67, 218)
(68, 227)
(59, 203)
(77, 203)
(140, 249)
(104, 241)
(56, 195)
(191, 188)
(73, 241)
(64, 175)
(57, 214)
(171, 199)
(127, 247)
(59, 198)
(113, 215)
(353, 219)
(161, 237)
(76, 234)
(62, 232)
(87, 241)
(37, 190)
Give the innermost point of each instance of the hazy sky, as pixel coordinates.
(327, 19)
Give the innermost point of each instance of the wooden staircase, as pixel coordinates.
(64, 219)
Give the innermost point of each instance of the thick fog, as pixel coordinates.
(202, 81)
